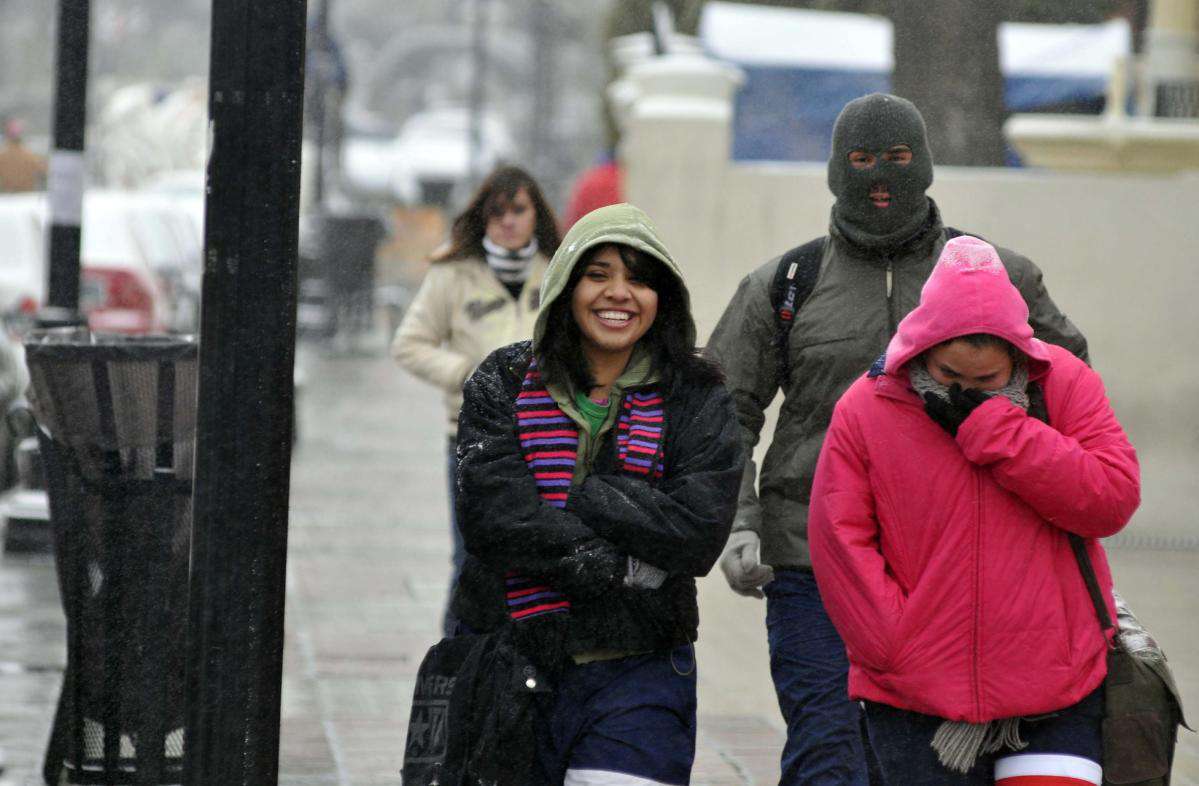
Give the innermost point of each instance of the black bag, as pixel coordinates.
(432, 754)
(474, 714)
(1142, 708)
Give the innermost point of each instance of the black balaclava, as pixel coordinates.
(875, 123)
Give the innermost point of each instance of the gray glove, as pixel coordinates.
(740, 565)
(642, 575)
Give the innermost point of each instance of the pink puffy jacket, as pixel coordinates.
(944, 563)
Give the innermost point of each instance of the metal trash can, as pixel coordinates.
(340, 274)
(116, 420)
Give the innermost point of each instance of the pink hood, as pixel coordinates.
(968, 292)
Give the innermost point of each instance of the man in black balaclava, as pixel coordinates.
(810, 335)
(879, 169)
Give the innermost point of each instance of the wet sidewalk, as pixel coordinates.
(369, 553)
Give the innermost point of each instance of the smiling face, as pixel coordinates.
(612, 306)
(512, 221)
(986, 367)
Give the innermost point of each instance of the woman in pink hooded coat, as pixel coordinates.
(940, 523)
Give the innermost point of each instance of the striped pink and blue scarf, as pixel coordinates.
(550, 441)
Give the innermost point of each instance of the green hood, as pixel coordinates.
(622, 224)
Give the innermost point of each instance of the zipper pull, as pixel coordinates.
(890, 278)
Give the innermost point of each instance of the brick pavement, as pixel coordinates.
(368, 560)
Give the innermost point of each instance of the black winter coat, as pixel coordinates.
(679, 523)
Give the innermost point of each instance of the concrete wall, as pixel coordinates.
(1120, 255)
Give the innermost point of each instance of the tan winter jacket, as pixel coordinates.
(460, 315)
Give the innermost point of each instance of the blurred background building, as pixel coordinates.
(713, 115)
(678, 105)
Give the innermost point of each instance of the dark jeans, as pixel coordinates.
(810, 672)
(458, 555)
(901, 741)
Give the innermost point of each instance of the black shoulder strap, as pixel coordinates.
(1038, 410)
(952, 232)
(793, 281)
(1088, 575)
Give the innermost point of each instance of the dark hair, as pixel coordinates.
(492, 198)
(983, 340)
(670, 338)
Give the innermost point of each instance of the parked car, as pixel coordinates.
(429, 157)
(140, 260)
(22, 254)
(178, 199)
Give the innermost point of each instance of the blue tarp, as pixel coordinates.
(801, 66)
(786, 113)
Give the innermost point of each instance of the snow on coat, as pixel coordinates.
(944, 562)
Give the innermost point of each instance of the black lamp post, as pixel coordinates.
(65, 186)
(243, 441)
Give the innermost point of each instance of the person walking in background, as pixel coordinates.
(808, 323)
(599, 185)
(21, 169)
(598, 475)
(481, 293)
(951, 480)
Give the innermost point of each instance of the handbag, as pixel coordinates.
(1142, 708)
(474, 713)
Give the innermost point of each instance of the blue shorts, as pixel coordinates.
(623, 721)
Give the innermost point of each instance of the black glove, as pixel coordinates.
(944, 414)
(594, 567)
(966, 399)
(949, 415)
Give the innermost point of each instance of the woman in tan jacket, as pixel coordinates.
(480, 293)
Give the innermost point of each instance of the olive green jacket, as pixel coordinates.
(843, 326)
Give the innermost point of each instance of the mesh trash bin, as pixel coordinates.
(343, 279)
(116, 423)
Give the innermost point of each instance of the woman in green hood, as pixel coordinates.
(598, 473)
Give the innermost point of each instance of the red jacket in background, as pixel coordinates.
(597, 187)
(944, 563)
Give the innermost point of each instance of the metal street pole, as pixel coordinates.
(244, 422)
(320, 97)
(542, 147)
(65, 182)
(478, 92)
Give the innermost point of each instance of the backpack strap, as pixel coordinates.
(793, 281)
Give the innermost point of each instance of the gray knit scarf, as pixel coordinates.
(1015, 391)
(959, 744)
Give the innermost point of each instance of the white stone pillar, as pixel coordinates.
(676, 121)
(1172, 56)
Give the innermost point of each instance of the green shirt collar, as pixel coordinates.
(638, 372)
